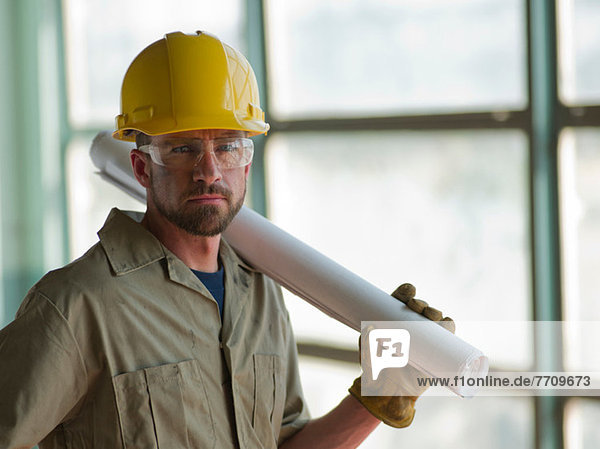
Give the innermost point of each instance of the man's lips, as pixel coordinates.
(207, 199)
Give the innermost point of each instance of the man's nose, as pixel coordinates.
(207, 169)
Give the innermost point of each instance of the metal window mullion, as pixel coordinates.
(22, 241)
(474, 120)
(580, 116)
(255, 33)
(545, 125)
(66, 132)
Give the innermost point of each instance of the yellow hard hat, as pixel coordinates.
(185, 82)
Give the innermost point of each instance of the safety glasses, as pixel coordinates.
(229, 152)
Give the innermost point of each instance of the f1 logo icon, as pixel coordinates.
(388, 348)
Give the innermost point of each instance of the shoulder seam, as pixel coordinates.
(66, 322)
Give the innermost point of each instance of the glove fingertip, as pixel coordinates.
(405, 292)
(432, 314)
(417, 305)
(448, 324)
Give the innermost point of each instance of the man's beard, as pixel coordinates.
(205, 220)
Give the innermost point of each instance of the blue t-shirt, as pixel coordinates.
(215, 283)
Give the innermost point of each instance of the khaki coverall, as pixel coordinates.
(124, 348)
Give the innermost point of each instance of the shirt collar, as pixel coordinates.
(229, 256)
(129, 246)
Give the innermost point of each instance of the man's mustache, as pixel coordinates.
(213, 189)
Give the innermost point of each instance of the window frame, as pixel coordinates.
(543, 120)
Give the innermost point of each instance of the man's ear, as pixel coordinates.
(247, 169)
(140, 164)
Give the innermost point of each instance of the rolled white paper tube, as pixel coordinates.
(319, 280)
(348, 298)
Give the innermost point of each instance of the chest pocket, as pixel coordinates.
(269, 398)
(164, 407)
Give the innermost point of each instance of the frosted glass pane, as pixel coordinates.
(581, 424)
(579, 47)
(580, 226)
(363, 58)
(580, 195)
(103, 36)
(446, 211)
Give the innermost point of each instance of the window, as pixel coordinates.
(365, 58)
(580, 205)
(405, 145)
(579, 48)
(579, 169)
(446, 211)
(414, 186)
(581, 424)
(580, 195)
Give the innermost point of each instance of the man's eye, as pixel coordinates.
(226, 147)
(181, 149)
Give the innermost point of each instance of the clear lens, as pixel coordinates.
(229, 152)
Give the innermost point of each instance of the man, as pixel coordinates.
(160, 336)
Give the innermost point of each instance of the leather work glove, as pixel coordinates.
(399, 410)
